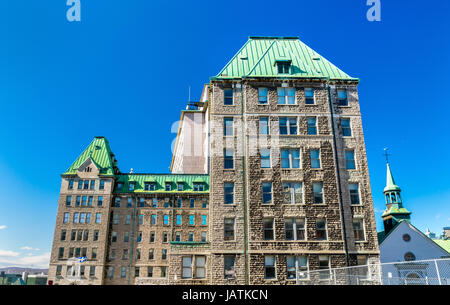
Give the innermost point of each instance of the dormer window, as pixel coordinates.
(131, 186)
(199, 187)
(168, 186)
(283, 66)
(88, 169)
(119, 186)
(149, 186)
(180, 186)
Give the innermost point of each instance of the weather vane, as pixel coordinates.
(386, 154)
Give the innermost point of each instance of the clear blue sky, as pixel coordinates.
(124, 71)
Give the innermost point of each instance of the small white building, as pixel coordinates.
(408, 256)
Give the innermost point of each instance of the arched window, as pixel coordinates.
(387, 198)
(413, 279)
(393, 200)
(409, 256)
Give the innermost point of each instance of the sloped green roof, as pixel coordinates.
(444, 244)
(258, 56)
(160, 180)
(394, 209)
(100, 153)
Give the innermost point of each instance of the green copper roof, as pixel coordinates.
(258, 57)
(443, 243)
(160, 180)
(100, 153)
(394, 209)
(390, 183)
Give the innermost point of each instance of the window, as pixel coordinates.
(321, 229)
(191, 220)
(227, 126)
(71, 252)
(346, 128)
(153, 219)
(164, 254)
(200, 267)
(77, 201)
(86, 184)
(111, 272)
(92, 187)
(166, 220)
(204, 234)
(262, 96)
(228, 97)
(191, 203)
(354, 193)
(268, 228)
(124, 272)
(112, 254)
(409, 257)
(180, 186)
(117, 202)
(119, 186)
(126, 237)
(187, 267)
(63, 235)
(61, 253)
(204, 220)
(83, 201)
(179, 203)
(149, 186)
(149, 271)
(100, 201)
(168, 186)
(309, 96)
(79, 235)
(292, 193)
(96, 232)
(98, 217)
(66, 218)
(116, 219)
(129, 202)
(138, 253)
(128, 219)
(342, 98)
(265, 158)
(73, 235)
(154, 202)
(165, 237)
(86, 235)
(90, 200)
(350, 159)
(141, 219)
(136, 271)
(199, 187)
(102, 184)
(229, 229)
(228, 192)
(76, 217)
(315, 158)
(294, 228)
(288, 126)
(269, 267)
(406, 237)
(228, 266)
(318, 192)
(141, 202)
(177, 236)
(68, 200)
(286, 96)
(358, 229)
(264, 126)
(80, 184)
(113, 237)
(283, 67)
(82, 217)
(167, 202)
(178, 221)
(205, 203)
(94, 253)
(70, 186)
(266, 192)
(131, 186)
(82, 268)
(151, 254)
(191, 236)
(294, 262)
(92, 271)
(312, 125)
(324, 266)
(139, 237)
(228, 158)
(88, 217)
(58, 270)
(290, 158)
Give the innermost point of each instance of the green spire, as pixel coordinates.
(390, 183)
(100, 153)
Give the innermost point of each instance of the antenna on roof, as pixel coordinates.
(189, 98)
(386, 154)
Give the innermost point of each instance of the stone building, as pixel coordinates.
(277, 142)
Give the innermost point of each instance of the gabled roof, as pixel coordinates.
(100, 154)
(443, 243)
(258, 56)
(382, 236)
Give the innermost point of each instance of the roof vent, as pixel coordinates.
(131, 170)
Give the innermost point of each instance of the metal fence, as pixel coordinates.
(424, 272)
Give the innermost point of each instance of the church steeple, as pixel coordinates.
(395, 212)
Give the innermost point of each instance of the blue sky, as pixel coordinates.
(124, 71)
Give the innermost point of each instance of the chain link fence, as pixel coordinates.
(424, 272)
